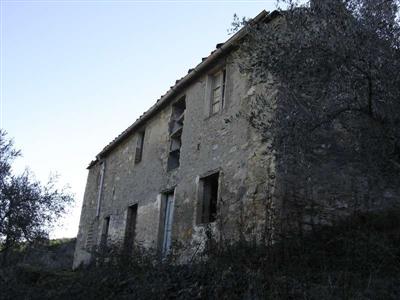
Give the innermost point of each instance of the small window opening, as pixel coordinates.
(175, 130)
(139, 147)
(100, 187)
(113, 194)
(104, 235)
(217, 91)
(208, 199)
(130, 231)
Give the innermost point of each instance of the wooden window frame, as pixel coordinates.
(166, 211)
(175, 130)
(217, 81)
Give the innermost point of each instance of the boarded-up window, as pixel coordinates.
(208, 199)
(130, 230)
(139, 147)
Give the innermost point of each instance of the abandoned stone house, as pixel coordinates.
(180, 166)
(194, 164)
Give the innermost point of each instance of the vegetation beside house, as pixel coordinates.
(324, 223)
(357, 259)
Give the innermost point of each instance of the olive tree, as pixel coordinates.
(334, 122)
(27, 207)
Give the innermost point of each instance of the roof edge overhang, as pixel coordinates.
(222, 49)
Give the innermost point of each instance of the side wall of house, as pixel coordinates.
(88, 225)
(223, 143)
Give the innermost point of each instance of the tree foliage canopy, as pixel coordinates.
(332, 58)
(333, 119)
(27, 207)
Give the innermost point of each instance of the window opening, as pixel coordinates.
(139, 147)
(175, 130)
(167, 218)
(208, 198)
(218, 91)
(104, 236)
(130, 231)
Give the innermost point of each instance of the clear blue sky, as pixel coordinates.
(74, 74)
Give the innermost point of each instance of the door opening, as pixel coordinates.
(130, 230)
(167, 218)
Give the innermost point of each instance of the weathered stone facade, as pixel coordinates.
(221, 143)
(196, 163)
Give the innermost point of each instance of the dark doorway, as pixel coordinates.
(130, 231)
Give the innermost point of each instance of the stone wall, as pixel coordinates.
(224, 142)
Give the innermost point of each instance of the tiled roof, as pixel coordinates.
(165, 99)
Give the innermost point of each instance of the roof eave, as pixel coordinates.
(164, 100)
